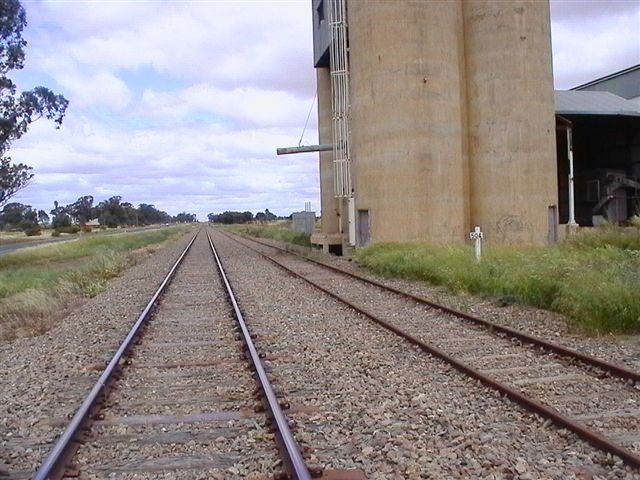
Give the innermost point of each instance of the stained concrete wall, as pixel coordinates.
(408, 140)
(511, 118)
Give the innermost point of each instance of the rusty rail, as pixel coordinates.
(293, 460)
(616, 370)
(591, 436)
(64, 448)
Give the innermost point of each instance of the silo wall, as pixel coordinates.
(408, 119)
(512, 160)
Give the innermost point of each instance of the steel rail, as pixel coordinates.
(612, 368)
(53, 465)
(293, 460)
(591, 436)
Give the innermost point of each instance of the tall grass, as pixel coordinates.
(278, 231)
(593, 279)
(37, 286)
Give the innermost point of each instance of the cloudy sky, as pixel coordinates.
(183, 103)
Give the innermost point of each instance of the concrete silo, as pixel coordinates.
(510, 103)
(450, 120)
(330, 203)
(408, 139)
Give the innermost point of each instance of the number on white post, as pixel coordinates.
(477, 236)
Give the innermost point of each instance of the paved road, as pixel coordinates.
(12, 247)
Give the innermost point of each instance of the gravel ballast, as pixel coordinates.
(382, 405)
(361, 397)
(45, 378)
(605, 404)
(189, 364)
(622, 349)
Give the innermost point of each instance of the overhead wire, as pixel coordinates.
(315, 95)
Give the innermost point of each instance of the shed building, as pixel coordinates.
(625, 84)
(600, 120)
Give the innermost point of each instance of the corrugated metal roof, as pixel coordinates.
(593, 103)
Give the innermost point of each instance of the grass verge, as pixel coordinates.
(40, 285)
(593, 279)
(278, 231)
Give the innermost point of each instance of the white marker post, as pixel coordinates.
(477, 236)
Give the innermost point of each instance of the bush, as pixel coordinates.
(55, 233)
(608, 235)
(60, 221)
(86, 229)
(33, 231)
(68, 229)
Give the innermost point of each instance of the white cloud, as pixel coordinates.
(221, 167)
(248, 43)
(242, 105)
(593, 38)
(182, 104)
(92, 90)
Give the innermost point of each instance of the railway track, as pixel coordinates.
(595, 399)
(185, 395)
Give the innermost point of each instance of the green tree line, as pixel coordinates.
(110, 213)
(231, 217)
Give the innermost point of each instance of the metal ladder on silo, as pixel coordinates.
(340, 105)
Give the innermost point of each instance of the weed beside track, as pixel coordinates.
(38, 286)
(281, 232)
(593, 279)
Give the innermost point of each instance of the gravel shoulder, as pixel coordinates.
(45, 378)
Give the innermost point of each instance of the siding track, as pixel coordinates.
(597, 400)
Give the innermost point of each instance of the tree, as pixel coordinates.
(43, 218)
(149, 214)
(110, 212)
(233, 217)
(129, 214)
(13, 177)
(82, 209)
(17, 112)
(211, 217)
(60, 216)
(17, 215)
(269, 217)
(185, 217)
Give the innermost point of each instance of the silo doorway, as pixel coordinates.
(364, 229)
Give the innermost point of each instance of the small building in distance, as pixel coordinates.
(304, 222)
(441, 117)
